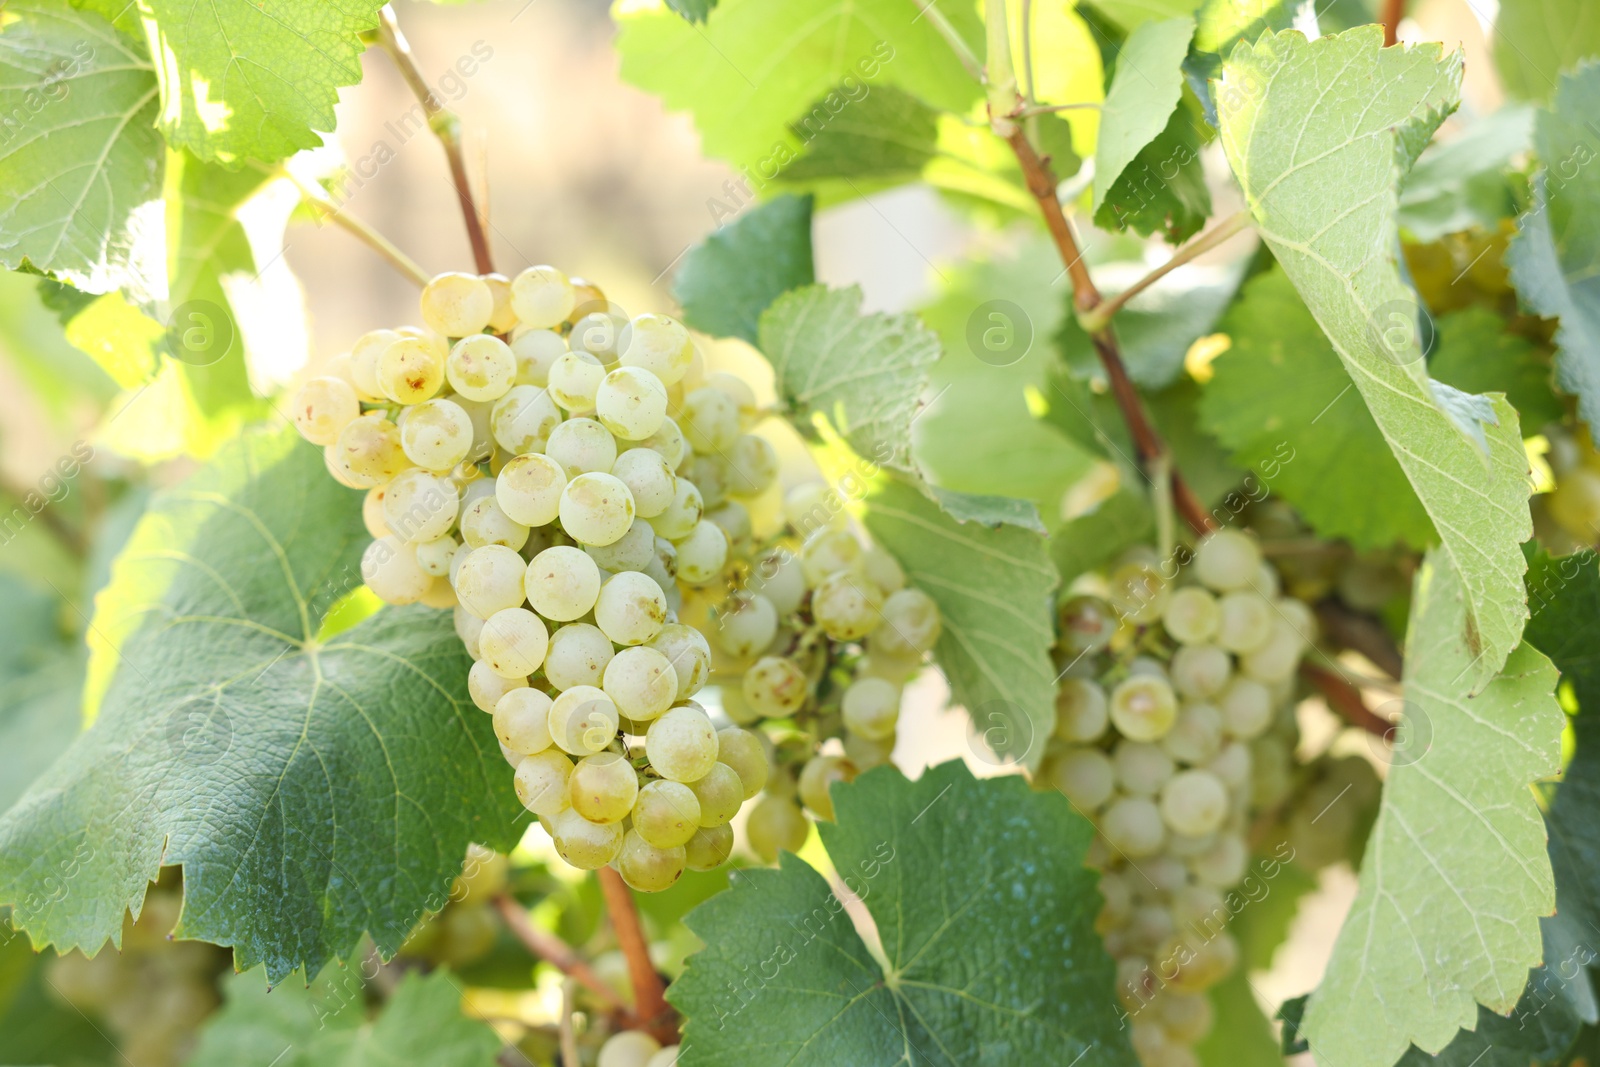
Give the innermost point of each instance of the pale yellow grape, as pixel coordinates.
(1187, 1017)
(481, 367)
(578, 655)
(703, 553)
(1200, 671)
(410, 371)
(871, 708)
(1082, 713)
(879, 664)
(827, 552)
(603, 787)
(1227, 560)
(585, 845)
(1246, 708)
(777, 575)
(541, 782)
(630, 1048)
(813, 506)
(746, 624)
(1133, 826)
(523, 419)
(1197, 735)
(369, 448)
(647, 869)
(490, 579)
(720, 792)
(364, 356)
(1224, 865)
(582, 446)
(596, 509)
(1143, 707)
(633, 551)
(389, 568)
(597, 333)
(666, 813)
(528, 489)
(669, 442)
(481, 415)
(1246, 623)
(468, 627)
(536, 352)
(439, 594)
(372, 511)
(667, 1057)
(744, 752)
(733, 519)
(1142, 768)
(483, 522)
(686, 649)
(487, 687)
(817, 779)
(631, 402)
(884, 570)
(583, 720)
(752, 465)
(709, 420)
(681, 744)
(437, 434)
(642, 683)
(574, 379)
(679, 518)
(542, 297)
(522, 721)
(1194, 803)
(419, 506)
(657, 344)
(709, 848)
(775, 687)
(1232, 765)
(631, 608)
(502, 319)
(562, 583)
(456, 304)
(1085, 776)
(776, 825)
(847, 606)
(1277, 660)
(1191, 615)
(738, 390)
(473, 490)
(513, 642)
(435, 556)
(323, 408)
(647, 476)
(1138, 592)
(867, 753)
(709, 475)
(663, 567)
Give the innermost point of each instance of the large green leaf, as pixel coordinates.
(1455, 875)
(731, 277)
(80, 160)
(1555, 257)
(310, 790)
(327, 1025)
(864, 373)
(1279, 397)
(993, 586)
(986, 954)
(756, 66)
(1144, 93)
(255, 80)
(1318, 134)
(1536, 41)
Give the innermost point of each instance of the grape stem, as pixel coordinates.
(1393, 12)
(556, 952)
(1098, 317)
(446, 127)
(649, 994)
(354, 226)
(1344, 698)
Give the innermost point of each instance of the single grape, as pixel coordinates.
(372, 511)
(1133, 826)
(419, 506)
(1087, 624)
(813, 506)
(1143, 769)
(364, 355)
(456, 304)
(578, 655)
(1200, 671)
(776, 575)
(585, 845)
(744, 751)
(1197, 735)
(522, 720)
(439, 594)
(827, 552)
(481, 367)
(631, 608)
(1246, 708)
(369, 448)
(703, 553)
(668, 442)
(868, 753)
(657, 344)
(485, 686)
(484, 522)
(710, 475)
(1232, 765)
(542, 297)
(597, 509)
(709, 848)
(437, 434)
(738, 390)
(536, 352)
(679, 518)
(502, 319)
(709, 419)
(686, 649)
(574, 381)
(647, 869)
(410, 371)
(490, 579)
(776, 825)
(597, 333)
(390, 569)
(846, 605)
(523, 419)
(528, 489)
(630, 1048)
(1143, 707)
(817, 779)
(775, 687)
(603, 787)
(642, 683)
(583, 720)
(1246, 623)
(871, 708)
(1187, 1017)
(733, 519)
(1191, 615)
(720, 792)
(1227, 560)
(631, 402)
(1082, 713)
(633, 551)
(513, 642)
(1277, 660)
(323, 408)
(469, 627)
(752, 465)
(1194, 802)
(562, 583)
(1139, 593)
(647, 476)
(1224, 866)
(682, 745)
(666, 813)
(667, 1057)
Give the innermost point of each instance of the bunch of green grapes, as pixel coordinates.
(826, 633)
(153, 995)
(558, 474)
(1175, 713)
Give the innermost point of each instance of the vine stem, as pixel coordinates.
(446, 127)
(360, 230)
(1345, 698)
(1099, 316)
(1393, 12)
(556, 952)
(649, 995)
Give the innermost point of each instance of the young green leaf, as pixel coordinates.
(874, 135)
(731, 277)
(1552, 258)
(1318, 134)
(80, 159)
(310, 791)
(1455, 875)
(984, 916)
(993, 586)
(864, 373)
(1144, 93)
(1536, 41)
(1163, 189)
(1278, 395)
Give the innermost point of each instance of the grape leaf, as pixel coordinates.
(1164, 188)
(1462, 183)
(1144, 94)
(1455, 873)
(1477, 353)
(327, 1025)
(1279, 395)
(1221, 24)
(1556, 252)
(755, 66)
(251, 80)
(884, 133)
(80, 160)
(1023, 981)
(864, 373)
(310, 790)
(993, 587)
(731, 277)
(1318, 134)
(1536, 41)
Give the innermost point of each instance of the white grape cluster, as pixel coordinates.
(1175, 691)
(826, 633)
(545, 466)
